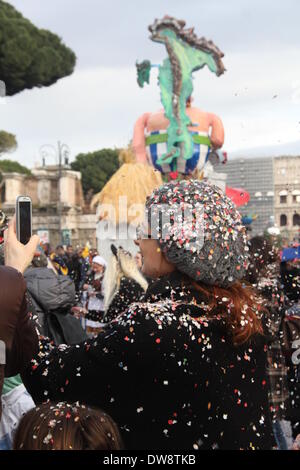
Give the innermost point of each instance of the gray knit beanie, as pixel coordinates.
(199, 230)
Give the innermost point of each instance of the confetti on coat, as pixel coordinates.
(168, 380)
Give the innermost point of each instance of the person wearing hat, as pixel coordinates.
(186, 367)
(93, 297)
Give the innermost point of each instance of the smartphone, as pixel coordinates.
(24, 219)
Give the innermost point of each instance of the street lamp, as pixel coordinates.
(62, 152)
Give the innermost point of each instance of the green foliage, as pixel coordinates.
(8, 142)
(30, 57)
(96, 168)
(10, 166)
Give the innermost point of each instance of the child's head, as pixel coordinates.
(62, 426)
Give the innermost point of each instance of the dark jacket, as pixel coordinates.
(52, 296)
(270, 289)
(291, 348)
(130, 291)
(74, 265)
(290, 278)
(169, 381)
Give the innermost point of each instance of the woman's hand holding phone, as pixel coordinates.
(17, 255)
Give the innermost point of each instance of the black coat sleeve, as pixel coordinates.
(16, 328)
(97, 369)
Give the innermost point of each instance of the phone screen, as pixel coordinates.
(25, 221)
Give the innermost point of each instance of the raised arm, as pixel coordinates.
(16, 329)
(138, 142)
(217, 131)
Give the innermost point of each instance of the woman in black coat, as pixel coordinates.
(184, 369)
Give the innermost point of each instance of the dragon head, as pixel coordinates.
(168, 26)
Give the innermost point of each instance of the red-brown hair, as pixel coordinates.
(239, 305)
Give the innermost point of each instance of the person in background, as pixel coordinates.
(291, 348)
(59, 261)
(47, 249)
(94, 295)
(92, 253)
(68, 257)
(60, 251)
(63, 426)
(264, 275)
(290, 275)
(73, 264)
(51, 298)
(290, 278)
(84, 266)
(69, 251)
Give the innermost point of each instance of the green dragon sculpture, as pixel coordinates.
(187, 54)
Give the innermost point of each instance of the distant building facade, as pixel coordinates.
(287, 196)
(256, 176)
(58, 203)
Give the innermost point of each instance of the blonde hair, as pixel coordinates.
(124, 265)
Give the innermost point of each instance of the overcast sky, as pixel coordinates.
(258, 98)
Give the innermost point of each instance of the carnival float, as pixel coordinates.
(179, 141)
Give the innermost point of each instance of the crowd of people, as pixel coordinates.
(183, 346)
